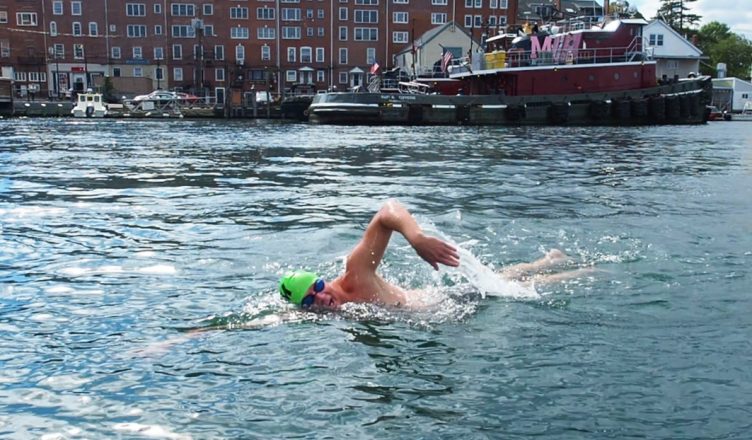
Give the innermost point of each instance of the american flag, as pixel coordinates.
(375, 68)
(445, 60)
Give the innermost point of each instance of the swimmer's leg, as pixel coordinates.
(520, 271)
(563, 276)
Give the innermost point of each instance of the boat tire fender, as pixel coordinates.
(598, 110)
(620, 109)
(673, 108)
(514, 113)
(89, 111)
(684, 106)
(639, 109)
(558, 113)
(657, 109)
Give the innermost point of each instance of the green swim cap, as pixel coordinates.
(294, 285)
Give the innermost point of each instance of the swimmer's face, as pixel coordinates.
(320, 300)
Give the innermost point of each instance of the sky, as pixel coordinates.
(737, 14)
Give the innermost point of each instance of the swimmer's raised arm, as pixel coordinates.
(392, 216)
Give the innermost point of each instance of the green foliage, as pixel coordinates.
(721, 45)
(676, 14)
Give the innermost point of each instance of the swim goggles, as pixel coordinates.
(318, 287)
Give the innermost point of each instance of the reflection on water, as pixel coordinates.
(139, 261)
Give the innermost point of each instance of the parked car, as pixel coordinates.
(157, 95)
(187, 98)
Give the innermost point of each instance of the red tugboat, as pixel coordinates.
(565, 74)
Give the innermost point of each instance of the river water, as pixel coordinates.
(139, 261)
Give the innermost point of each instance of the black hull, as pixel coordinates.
(683, 102)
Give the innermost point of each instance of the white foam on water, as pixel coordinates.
(484, 278)
(153, 431)
(158, 269)
(489, 282)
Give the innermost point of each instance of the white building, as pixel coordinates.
(427, 50)
(731, 93)
(674, 55)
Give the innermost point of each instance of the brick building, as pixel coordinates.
(211, 47)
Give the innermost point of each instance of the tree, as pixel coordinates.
(676, 14)
(721, 45)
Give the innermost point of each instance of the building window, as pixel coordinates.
(78, 51)
(266, 33)
(401, 2)
(77, 32)
(240, 53)
(320, 76)
(115, 52)
(157, 8)
(53, 29)
(291, 75)
(59, 50)
(238, 13)
(219, 74)
(439, 2)
(399, 17)
(157, 29)
(26, 18)
(138, 72)
(366, 34)
(265, 13)
(239, 33)
(138, 53)
(183, 10)
(290, 14)
(116, 72)
(367, 2)
(177, 51)
(502, 20)
(399, 37)
(266, 53)
(208, 9)
(4, 48)
(219, 52)
(159, 73)
(291, 54)
(342, 14)
(75, 8)
(158, 53)
(343, 33)
(20, 76)
(135, 9)
(438, 18)
(366, 16)
(309, 13)
(93, 29)
(57, 7)
(503, 4)
(177, 73)
(343, 77)
(320, 13)
(320, 31)
(370, 55)
(320, 55)
(468, 21)
(3, 16)
(183, 31)
(291, 33)
(343, 55)
(136, 30)
(306, 55)
(309, 32)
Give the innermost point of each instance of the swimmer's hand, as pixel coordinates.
(435, 251)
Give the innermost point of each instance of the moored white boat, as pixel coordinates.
(89, 105)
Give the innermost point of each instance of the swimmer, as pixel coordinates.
(362, 284)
